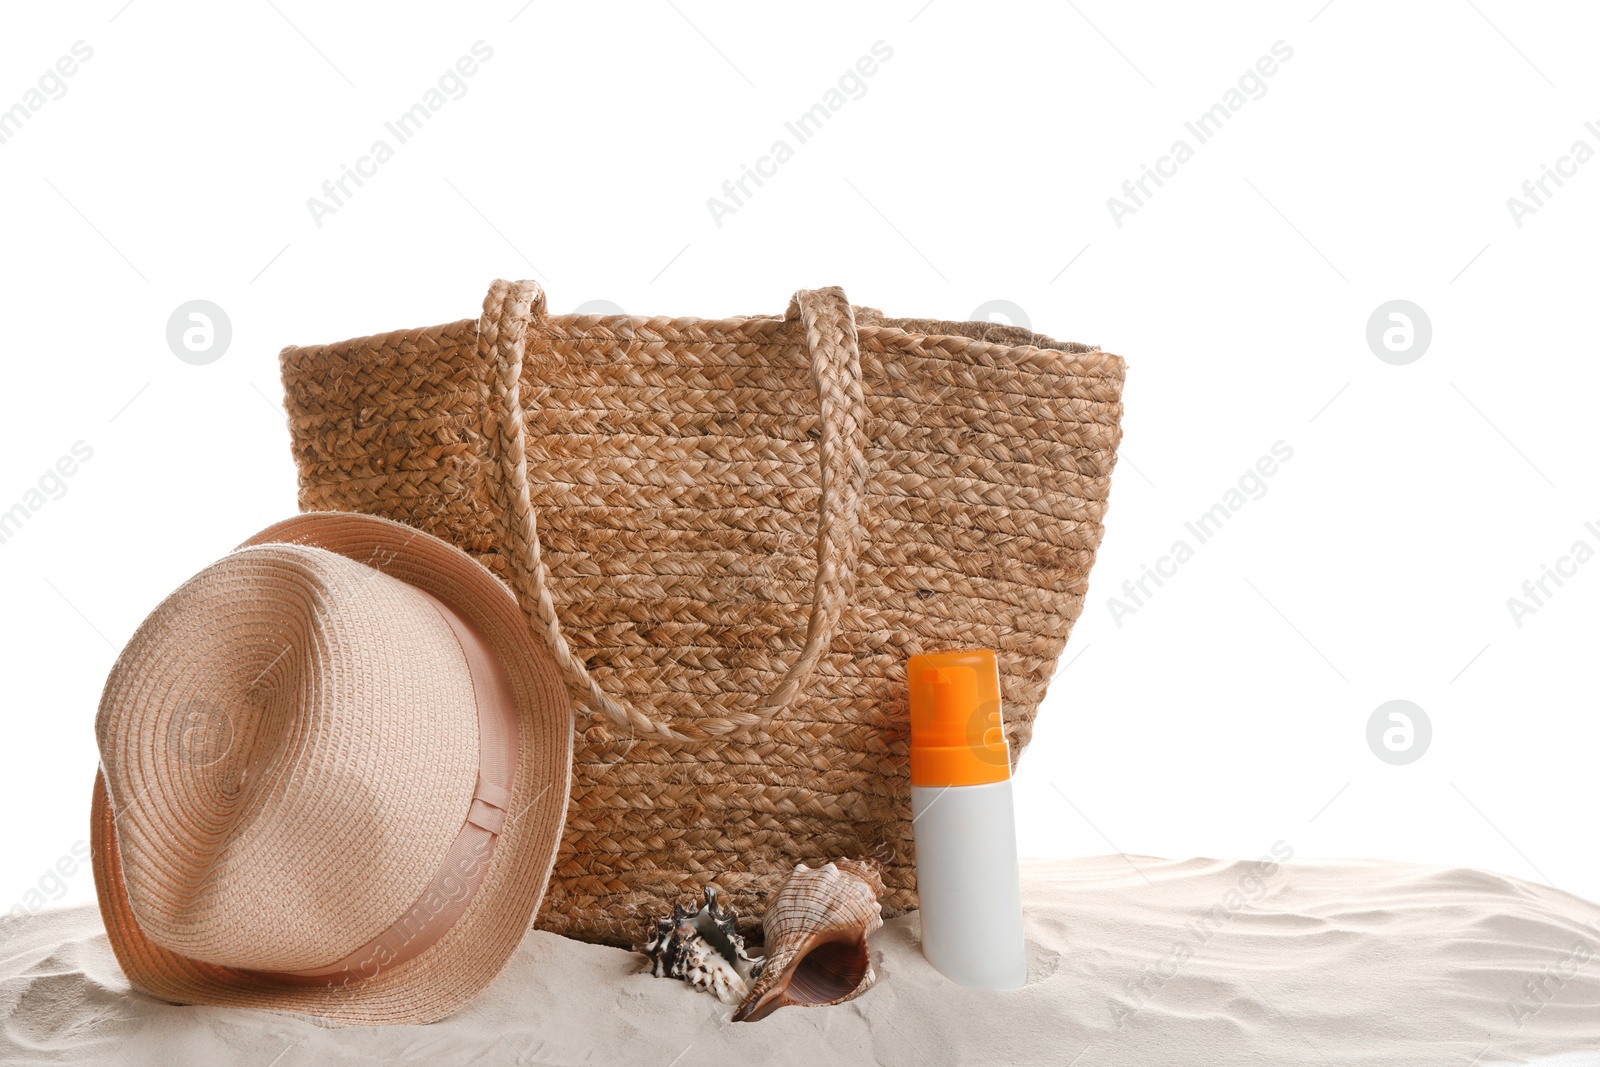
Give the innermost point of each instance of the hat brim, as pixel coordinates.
(467, 958)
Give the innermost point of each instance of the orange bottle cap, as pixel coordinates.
(957, 735)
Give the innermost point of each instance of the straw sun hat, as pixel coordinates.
(334, 771)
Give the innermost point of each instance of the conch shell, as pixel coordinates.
(816, 938)
(702, 948)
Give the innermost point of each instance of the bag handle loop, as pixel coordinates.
(508, 312)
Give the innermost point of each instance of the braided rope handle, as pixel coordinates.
(508, 311)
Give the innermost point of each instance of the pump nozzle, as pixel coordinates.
(957, 735)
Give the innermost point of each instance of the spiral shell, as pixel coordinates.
(816, 938)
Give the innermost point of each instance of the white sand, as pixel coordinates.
(1343, 963)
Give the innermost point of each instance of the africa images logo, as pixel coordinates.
(1252, 85)
(52, 485)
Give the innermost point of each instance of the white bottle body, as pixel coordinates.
(967, 882)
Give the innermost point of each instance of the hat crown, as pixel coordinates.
(290, 744)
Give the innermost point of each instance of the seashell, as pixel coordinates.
(702, 948)
(816, 933)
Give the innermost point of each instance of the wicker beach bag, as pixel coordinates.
(732, 533)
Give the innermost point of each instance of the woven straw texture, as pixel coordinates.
(269, 738)
(732, 533)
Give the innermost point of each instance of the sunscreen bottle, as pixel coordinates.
(962, 820)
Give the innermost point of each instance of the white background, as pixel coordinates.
(1230, 710)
